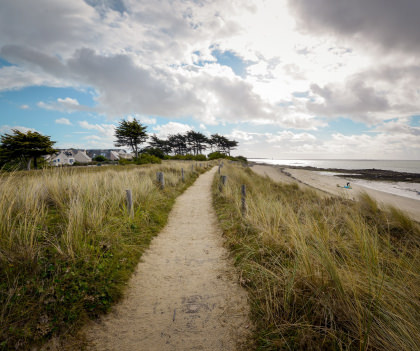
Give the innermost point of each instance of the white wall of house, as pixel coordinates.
(62, 159)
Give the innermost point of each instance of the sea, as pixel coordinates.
(409, 190)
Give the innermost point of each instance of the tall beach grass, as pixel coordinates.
(68, 244)
(322, 273)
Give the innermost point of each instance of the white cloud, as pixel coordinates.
(63, 121)
(163, 131)
(105, 130)
(67, 105)
(8, 129)
(24, 107)
(143, 119)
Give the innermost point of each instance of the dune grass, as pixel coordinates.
(322, 273)
(68, 245)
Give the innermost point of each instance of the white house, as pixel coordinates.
(114, 156)
(125, 155)
(62, 158)
(81, 157)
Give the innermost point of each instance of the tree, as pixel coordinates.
(231, 145)
(178, 144)
(100, 158)
(223, 144)
(25, 147)
(161, 144)
(130, 134)
(197, 141)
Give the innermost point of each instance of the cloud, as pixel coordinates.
(354, 99)
(369, 96)
(389, 24)
(64, 105)
(63, 121)
(8, 129)
(24, 107)
(398, 127)
(65, 24)
(104, 130)
(288, 136)
(163, 131)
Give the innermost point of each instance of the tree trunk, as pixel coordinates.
(35, 163)
(28, 165)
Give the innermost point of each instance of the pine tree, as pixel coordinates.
(25, 147)
(131, 134)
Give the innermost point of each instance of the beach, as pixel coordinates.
(328, 185)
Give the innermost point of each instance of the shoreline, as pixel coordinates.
(327, 184)
(367, 174)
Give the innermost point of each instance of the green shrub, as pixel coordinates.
(99, 158)
(146, 158)
(124, 161)
(215, 155)
(154, 151)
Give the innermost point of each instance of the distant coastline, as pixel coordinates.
(396, 170)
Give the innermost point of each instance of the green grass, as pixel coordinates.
(322, 273)
(68, 246)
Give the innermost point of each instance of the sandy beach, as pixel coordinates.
(328, 184)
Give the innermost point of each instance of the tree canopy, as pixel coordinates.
(24, 147)
(193, 143)
(131, 134)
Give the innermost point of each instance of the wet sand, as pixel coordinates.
(328, 184)
(184, 294)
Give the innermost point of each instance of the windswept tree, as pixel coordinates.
(161, 144)
(178, 143)
(25, 147)
(230, 145)
(197, 142)
(222, 144)
(131, 134)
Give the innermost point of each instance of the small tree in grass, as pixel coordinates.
(130, 134)
(25, 147)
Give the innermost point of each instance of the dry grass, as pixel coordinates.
(323, 274)
(68, 246)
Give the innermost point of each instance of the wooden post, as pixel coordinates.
(129, 203)
(192, 168)
(162, 180)
(243, 199)
(158, 177)
(219, 169)
(222, 182)
(182, 175)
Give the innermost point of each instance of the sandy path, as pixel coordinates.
(184, 294)
(329, 185)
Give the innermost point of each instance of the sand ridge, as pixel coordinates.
(184, 294)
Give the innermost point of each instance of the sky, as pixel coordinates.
(327, 79)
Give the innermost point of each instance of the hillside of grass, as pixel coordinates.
(322, 274)
(68, 245)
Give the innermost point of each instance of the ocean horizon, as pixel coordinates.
(408, 166)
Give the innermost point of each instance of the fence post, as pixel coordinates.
(182, 175)
(224, 178)
(192, 168)
(243, 199)
(129, 203)
(162, 180)
(219, 169)
(222, 182)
